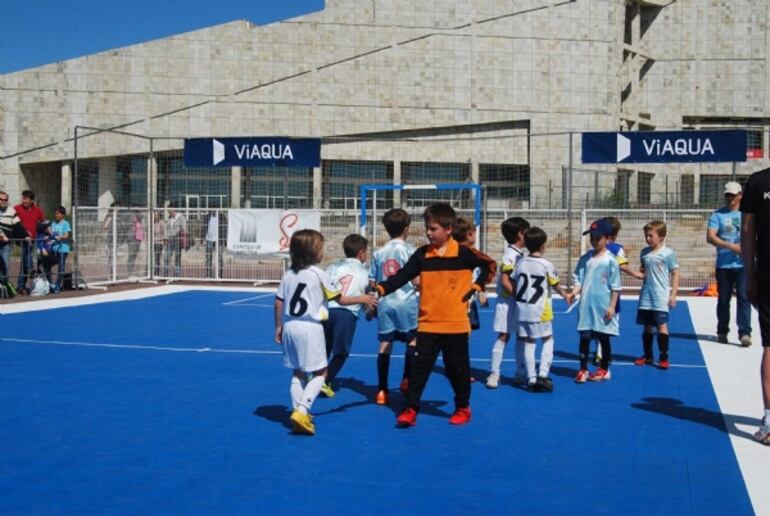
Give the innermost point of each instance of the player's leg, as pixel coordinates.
(725, 294)
(411, 346)
(604, 368)
(296, 388)
(502, 326)
(454, 348)
(383, 370)
(663, 340)
(427, 349)
(763, 307)
(529, 359)
(546, 358)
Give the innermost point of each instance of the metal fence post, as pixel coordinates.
(570, 242)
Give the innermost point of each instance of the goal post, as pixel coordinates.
(366, 189)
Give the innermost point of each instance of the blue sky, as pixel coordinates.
(38, 32)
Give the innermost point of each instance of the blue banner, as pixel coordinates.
(252, 152)
(664, 146)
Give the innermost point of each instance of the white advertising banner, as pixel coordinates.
(266, 232)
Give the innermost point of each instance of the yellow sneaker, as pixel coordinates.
(327, 390)
(302, 423)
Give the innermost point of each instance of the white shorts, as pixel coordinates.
(506, 317)
(535, 330)
(304, 346)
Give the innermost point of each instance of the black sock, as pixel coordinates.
(408, 360)
(647, 343)
(585, 343)
(663, 345)
(335, 365)
(383, 369)
(604, 340)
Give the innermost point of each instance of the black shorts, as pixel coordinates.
(763, 307)
(339, 330)
(651, 317)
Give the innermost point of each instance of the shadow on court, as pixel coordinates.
(616, 357)
(726, 423)
(275, 413)
(702, 337)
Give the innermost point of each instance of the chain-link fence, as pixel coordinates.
(126, 187)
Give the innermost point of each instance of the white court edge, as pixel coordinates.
(734, 372)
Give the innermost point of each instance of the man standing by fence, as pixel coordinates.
(755, 246)
(10, 229)
(724, 233)
(30, 214)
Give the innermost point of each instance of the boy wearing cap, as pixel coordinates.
(597, 280)
(724, 233)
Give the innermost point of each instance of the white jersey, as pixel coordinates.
(350, 278)
(533, 278)
(305, 295)
(397, 311)
(511, 257)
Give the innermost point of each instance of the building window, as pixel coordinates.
(192, 187)
(283, 188)
(687, 190)
(131, 188)
(755, 144)
(342, 182)
(87, 183)
(644, 188)
(505, 184)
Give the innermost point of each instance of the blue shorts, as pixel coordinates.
(403, 336)
(339, 330)
(651, 317)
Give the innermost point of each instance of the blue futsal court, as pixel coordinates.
(179, 404)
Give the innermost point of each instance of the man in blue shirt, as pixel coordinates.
(724, 233)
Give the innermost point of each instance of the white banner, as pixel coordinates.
(265, 232)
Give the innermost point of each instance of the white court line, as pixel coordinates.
(734, 374)
(239, 301)
(150, 347)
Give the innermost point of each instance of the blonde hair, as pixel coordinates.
(658, 226)
(305, 249)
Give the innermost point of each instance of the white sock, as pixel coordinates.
(529, 358)
(296, 391)
(521, 366)
(766, 421)
(546, 356)
(497, 355)
(312, 389)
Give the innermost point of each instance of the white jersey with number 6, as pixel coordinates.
(305, 295)
(533, 278)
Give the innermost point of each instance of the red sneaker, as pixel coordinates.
(581, 376)
(599, 375)
(382, 398)
(461, 416)
(404, 385)
(643, 361)
(407, 418)
(663, 364)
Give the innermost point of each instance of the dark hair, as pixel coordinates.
(461, 230)
(62, 210)
(396, 221)
(354, 244)
(511, 228)
(305, 248)
(615, 223)
(29, 194)
(42, 225)
(441, 213)
(534, 239)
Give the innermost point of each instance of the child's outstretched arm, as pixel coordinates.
(610, 312)
(368, 300)
(568, 296)
(278, 315)
(409, 271)
(487, 268)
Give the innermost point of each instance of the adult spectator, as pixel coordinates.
(724, 233)
(30, 214)
(211, 236)
(11, 228)
(755, 248)
(160, 240)
(176, 233)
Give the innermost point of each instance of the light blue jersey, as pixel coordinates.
(728, 226)
(658, 266)
(397, 311)
(597, 277)
(60, 229)
(351, 278)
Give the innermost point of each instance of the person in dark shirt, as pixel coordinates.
(755, 249)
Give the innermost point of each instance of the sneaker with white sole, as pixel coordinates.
(581, 376)
(763, 434)
(600, 375)
(745, 341)
(327, 390)
(493, 380)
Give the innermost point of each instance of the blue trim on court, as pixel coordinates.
(127, 430)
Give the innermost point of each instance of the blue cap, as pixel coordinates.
(599, 227)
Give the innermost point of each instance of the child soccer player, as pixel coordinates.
(658, 294)
(351, 278)
(396, 315)
(533, 280)
(300, 306)
(445, 269)
(505, 322)
(597, 276)
(465, 234)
